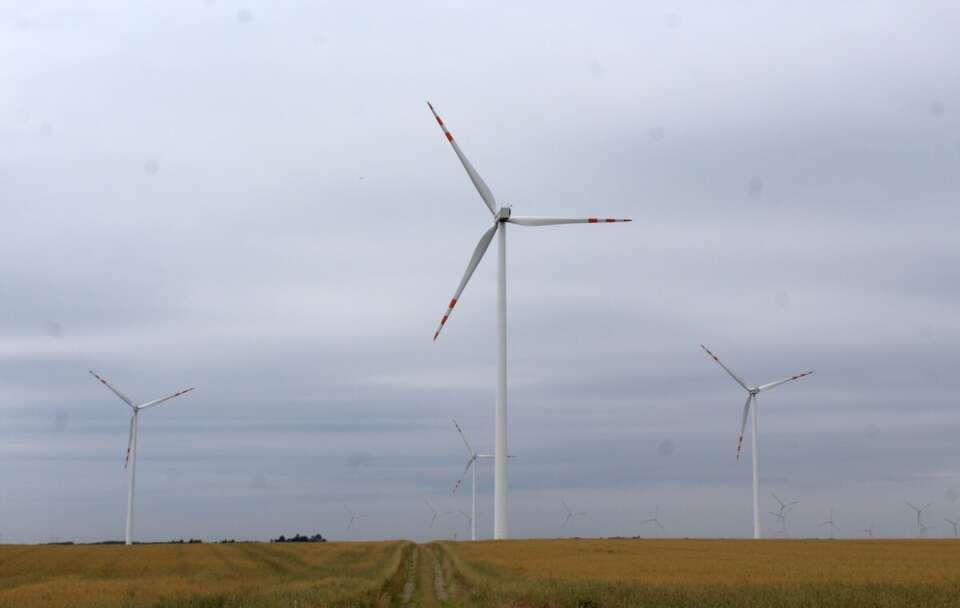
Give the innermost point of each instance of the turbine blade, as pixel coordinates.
(659, 525)
(464, 437)
(126, 460)
(478, 182)
(478, 252)
(521, 220)
(115, 391)
(743, 423)
(159, 401)
(767, 387)
(463, 475)
(726, 369)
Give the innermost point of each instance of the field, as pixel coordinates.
(518, 574)
(708, 573)
(200, 575)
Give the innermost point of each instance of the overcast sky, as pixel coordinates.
(252, 198)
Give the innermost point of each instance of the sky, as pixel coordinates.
(253, 199)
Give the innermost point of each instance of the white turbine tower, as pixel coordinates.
(501, 217)
(472, 462)
(130, 463)
(752, 392)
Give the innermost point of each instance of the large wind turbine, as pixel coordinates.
(472, 462)
(130, 463)
(501, 217)
(752, 392)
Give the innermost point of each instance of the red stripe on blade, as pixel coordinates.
(592, 220)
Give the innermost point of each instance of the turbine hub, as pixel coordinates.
(503, 214)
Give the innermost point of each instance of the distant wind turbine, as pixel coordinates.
(952, 523)
(130, 462)
(781, 515)
(655, 519)
(752, 392)
(501, 217)
(920, 510)
(469, 519)
(868, 531)
(474, 461)
(353, 516)
(571, 514)
(832, 524)
(435, 513)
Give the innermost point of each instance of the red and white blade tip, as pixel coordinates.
(606, 220)
(443, 321)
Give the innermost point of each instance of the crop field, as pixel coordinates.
(794, 573)
(198, 575)
(516, 574)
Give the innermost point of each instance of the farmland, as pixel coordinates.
(708, 573)
(522, 574)
(170, 576)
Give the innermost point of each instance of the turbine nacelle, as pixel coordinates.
(504, 214)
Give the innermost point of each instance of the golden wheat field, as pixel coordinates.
(708, 572)
(241, 574)
(516, 574)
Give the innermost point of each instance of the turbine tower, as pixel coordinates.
(472, 462)
(752, 392)
(830, 523)
(501, 217)
(130, 462)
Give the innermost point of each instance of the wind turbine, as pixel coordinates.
(953, 523)
(571, 514)
(785, 508)
(353, 516)
(868, 531)
(752, 392)
(655, 519)
(436, 513)
(130, 462)
(474, 462)
(783, 522)
(469, 523)
(501, 217)
(830, 523)
(920, 510)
